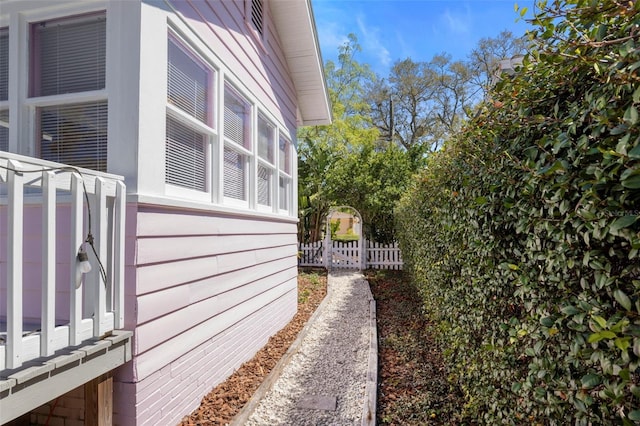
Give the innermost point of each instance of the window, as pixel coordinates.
(266, 161)
(4, 89)
(189, 118)
(284, 177)
(221, 147)
(237, 145)
(75, 134)
(186, 156)
(68, 57)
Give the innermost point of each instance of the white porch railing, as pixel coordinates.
(47, 212)
(375, 256)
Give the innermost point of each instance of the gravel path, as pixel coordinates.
(324, 381)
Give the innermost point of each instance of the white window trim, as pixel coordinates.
(210, 131)
(273, 198)
(224, 78)
(28, 122)
(249, 154)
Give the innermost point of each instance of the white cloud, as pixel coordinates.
(371, 44)
(331, 36)
(457, 23)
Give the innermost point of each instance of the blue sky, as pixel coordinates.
(391, 30)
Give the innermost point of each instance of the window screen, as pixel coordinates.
(265, 140)
(264, 185)
(68, 56)
(236, 119)
(186, 156)
(284, 159)
(4, 129)
(75, 134)
(4, 64)
(188, 83)
(235, 174)
(283, 192)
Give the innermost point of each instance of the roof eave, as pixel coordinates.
(296, 27)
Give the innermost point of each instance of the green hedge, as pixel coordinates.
(523, 233)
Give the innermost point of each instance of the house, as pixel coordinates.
(147, 198)
(344, 224)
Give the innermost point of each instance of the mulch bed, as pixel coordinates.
(226, 400)
(412, 381)
(413, 388)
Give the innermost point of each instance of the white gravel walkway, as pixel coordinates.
(325, 378)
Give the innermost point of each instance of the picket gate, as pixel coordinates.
(347, 255)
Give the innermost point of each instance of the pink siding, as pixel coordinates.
(32, 255)
(262, 67)
(209, 291)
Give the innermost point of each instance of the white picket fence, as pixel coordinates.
(375, 256)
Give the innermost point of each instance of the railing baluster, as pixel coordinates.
(75, 302)
(109, 228)
(14, 265)
(119, 214)
(48, 306)
(98, 285)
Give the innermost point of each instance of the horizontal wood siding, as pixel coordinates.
(172, 392)
(209, 291)
(259, 64)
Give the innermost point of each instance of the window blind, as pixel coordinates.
(4, 64)
(264, 185)
(4, 130)
(236, 119)
(69, 56)
(283, 192)
(186, 156)
(265, 140)
(75, 134)
(284, 161)
(235, 168)
(188, 83)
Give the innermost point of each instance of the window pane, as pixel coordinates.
(236, 119)
(75, 134)
(235, 169)
(264, 185)
(68, 56)
(283, 192)
(265, 140)
(285, 156)
(4, 64)
(186, 156)
(4, 130)
(188, 83)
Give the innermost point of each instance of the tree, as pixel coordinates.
(372, 181)
(322, 147)
(484, 59)
(420, 104)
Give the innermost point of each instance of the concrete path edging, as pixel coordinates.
(371, 389)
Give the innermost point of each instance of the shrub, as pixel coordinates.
(523, 233)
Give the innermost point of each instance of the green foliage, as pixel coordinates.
(334, 225)
(523, 232)
(340, 164)
(372, 181)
